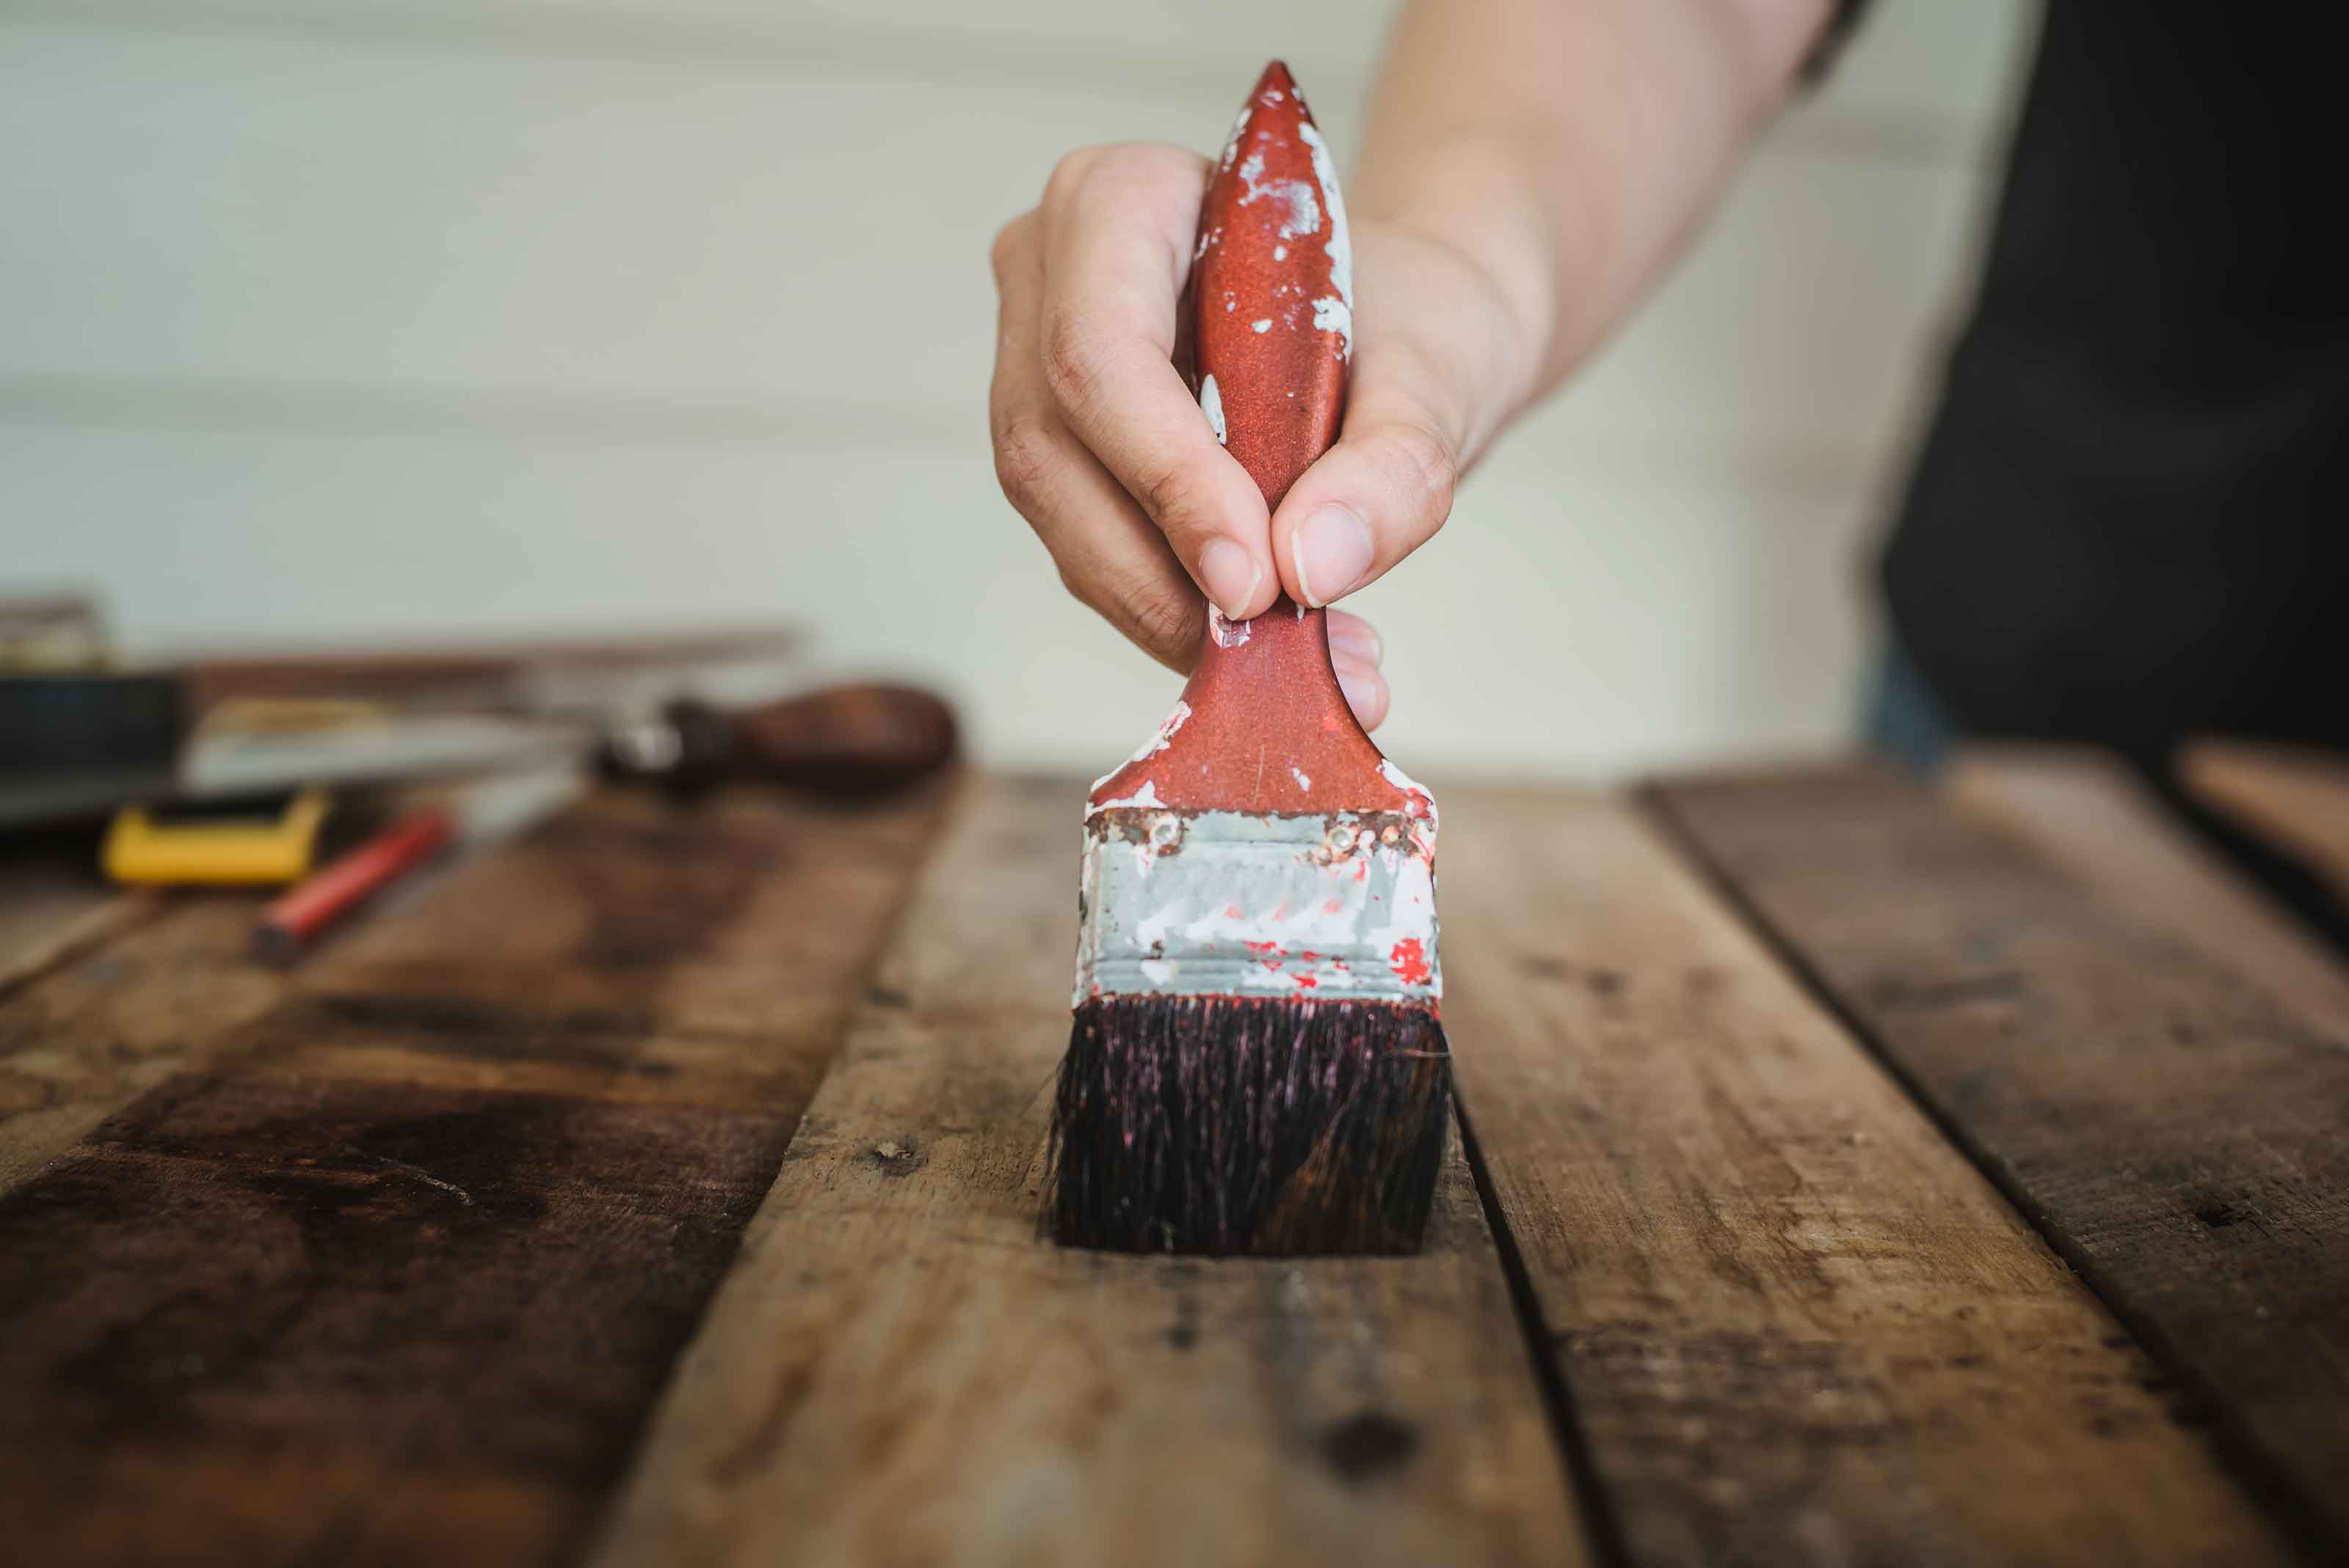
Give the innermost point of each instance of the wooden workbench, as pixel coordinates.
(1849, 1175)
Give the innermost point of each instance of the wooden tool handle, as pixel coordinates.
(1263, 724)
(843, 740)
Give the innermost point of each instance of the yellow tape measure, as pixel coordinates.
(215, 850)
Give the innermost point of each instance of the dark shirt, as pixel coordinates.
(2125, 524)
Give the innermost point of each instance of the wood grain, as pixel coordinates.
(899, 1370)
(2090, 814)
(92, 1032)
(1796, 1325)
(2181, 1136)
(629, 915)
(2299, 799)
(53, 906)
(396, 1276)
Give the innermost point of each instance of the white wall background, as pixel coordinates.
(402, 317)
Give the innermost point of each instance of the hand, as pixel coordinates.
(1099, 445)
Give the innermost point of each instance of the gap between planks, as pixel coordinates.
(1793, 1321)
(2296, 797)
(391, 1264)
(2088, 813)
(899, 1369)
(2180, 1136)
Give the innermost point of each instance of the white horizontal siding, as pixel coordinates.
(1936, 63)
(395, 318)
(1578, 624)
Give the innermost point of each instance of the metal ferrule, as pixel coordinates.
(1332, 907)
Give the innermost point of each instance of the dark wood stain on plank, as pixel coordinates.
(2181, 1136)
(397, 1277)
(97, 1031)
(631, 914)
(1792, 1323)
(409, 1281)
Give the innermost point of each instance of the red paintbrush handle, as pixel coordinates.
(1263, 725)
(1273, 291)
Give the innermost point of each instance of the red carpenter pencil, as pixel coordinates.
(291, 922)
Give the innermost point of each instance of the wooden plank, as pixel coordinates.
(65, 1062)
(899, 1370)
(2295, 797)
(619, 916)
(392, 1283)
(93, 1032)
(1795, 1323)
(53, 906)
(51, 933)
(2087, 813)
(2179, 1136)
(629, 916)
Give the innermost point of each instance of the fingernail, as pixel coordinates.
(1349, 635)
(1231, 575)
(1361, 688)
(1332, 552)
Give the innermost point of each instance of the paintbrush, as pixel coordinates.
(1256, 1064)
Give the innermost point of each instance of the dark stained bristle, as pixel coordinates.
(1225, 1126)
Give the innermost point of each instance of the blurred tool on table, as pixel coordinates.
(353, 769)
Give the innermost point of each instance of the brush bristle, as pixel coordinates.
(1230, 1125)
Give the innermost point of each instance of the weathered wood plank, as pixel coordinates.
(1796, 1325)
(53, 906)
(396, 1276)
(2298, 799)
(82, 1040)
(627, 914)
(899, 1370)
(2089, 813)
(2181, 1136)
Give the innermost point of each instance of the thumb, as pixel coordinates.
(1370, 500)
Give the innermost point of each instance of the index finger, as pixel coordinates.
(1117, 245)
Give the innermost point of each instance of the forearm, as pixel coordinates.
(1565, 148)
(1529, 167)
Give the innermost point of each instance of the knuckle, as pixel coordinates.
(1151, 165)
(1024, 460)
(1125, 168)
(1074, 357)
(1173, 494)
(1156, 617)
(1159, 618)
(1426, 465)
(1071, 173)
(1011, 246)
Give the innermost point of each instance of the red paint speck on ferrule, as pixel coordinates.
(1409, 961)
